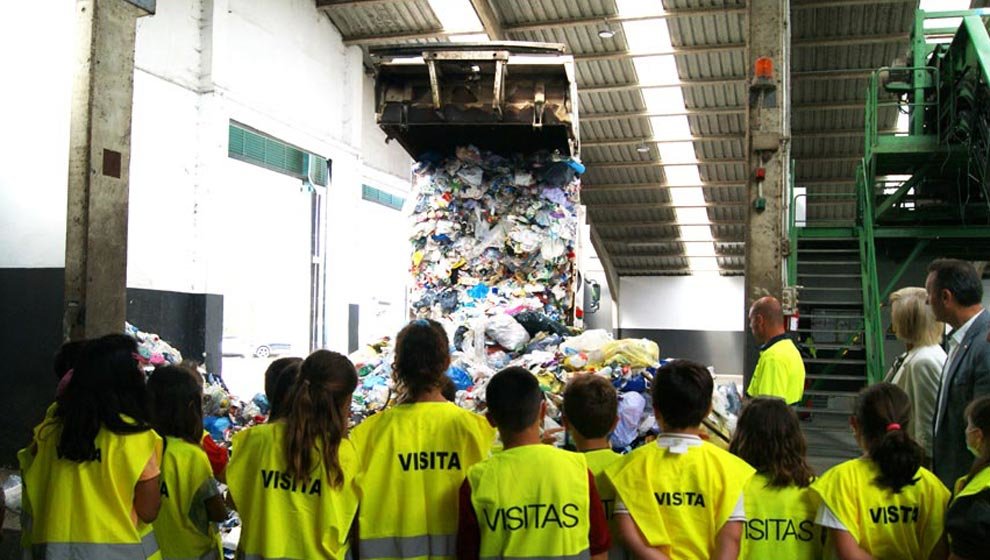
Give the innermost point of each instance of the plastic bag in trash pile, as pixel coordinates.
(493, 233)
(152, 350)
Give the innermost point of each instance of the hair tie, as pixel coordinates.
(421, 323)
(893, 426)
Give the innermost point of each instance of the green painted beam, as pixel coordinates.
(933, 232)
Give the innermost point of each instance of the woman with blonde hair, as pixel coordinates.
(918, 371)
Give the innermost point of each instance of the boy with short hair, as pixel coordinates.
(590, 414)
(681, 496)
(530, 500)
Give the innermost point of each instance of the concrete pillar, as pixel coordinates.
(768, 135)
(99, 161)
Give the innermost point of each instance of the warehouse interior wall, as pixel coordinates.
(280, 68)
(697, 317)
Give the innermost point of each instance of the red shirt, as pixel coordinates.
(469, 532)
(218, 455)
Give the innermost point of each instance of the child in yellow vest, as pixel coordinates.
(415, 455)
(883, 504)
(91, 475)
(780, 506)
(191, 500)
(530, 500)
(680, 496)
(292, 480)
(590, 413)
(968, 519)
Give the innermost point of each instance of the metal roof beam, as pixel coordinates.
(626, 164)
(659, 206)
(594, 187)
(651, 140)
(489, 19)
(808, 75)
(580, 22)
(592, 117)
(820, 4)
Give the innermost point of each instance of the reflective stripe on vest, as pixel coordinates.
(579, 556)
(240, 556)
(147, 548)
(409, 547)
(414, 458)
(509, 486)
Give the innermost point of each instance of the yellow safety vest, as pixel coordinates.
(532, 502)
(979, 483)
(283, 517)
(183, 527)
(415, 457)
(598, 461)
(83, 510)
(887, 525)
(680, 501)
(779, 373)
(780, 522)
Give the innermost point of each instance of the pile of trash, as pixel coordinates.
(494, 233)
(152, 350)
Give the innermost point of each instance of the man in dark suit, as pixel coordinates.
(954, 294)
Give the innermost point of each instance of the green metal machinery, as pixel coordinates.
(921, 191)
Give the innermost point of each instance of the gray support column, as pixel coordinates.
(99, 161)
(768, 133)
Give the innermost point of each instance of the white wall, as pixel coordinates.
(277, 66)
(685, 303)
(36, 66)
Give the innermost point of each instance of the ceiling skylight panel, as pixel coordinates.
(687, 175)
(647, 36)
(639, 8)
(664, 100)
(671, 127)
(456, 15)
(696, 233)
(676, 152)
(656, 69)
(692, 216)
(687, 197)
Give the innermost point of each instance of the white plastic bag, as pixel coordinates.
(506, 331)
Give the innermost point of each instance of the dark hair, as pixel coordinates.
(422, 356)
(978, 414)
(279, 378)
(175, 395)
(317, 419)
(448, 389)
(883, 412)
(106, 386)
(514, 396)
(768, 437)
(591, 405)
(682, 393)
(960, 278)
(66, 357)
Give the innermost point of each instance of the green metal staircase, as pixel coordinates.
(923, 192)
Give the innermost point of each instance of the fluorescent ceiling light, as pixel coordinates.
(647, 36)
(669, 100)
(677, 152)
(687, 197)
(670, 127)
(660, 68)
(639, 8)
(468, 38)
(682, 175)
(606, 32)
(456, 15)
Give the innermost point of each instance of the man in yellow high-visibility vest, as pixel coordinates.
(780, 371)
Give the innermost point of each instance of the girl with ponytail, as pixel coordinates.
(883, 504)
(293, 479)
(415, 455)
(968, 521)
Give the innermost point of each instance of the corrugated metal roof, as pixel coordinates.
(828, 109)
